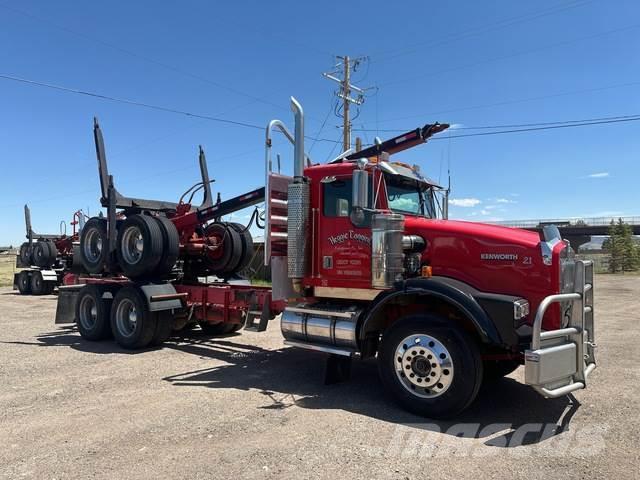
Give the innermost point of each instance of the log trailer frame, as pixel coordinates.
(361, 267)
(46, 258)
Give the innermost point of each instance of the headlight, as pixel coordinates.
(412, 263)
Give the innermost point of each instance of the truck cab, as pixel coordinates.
(376, 269)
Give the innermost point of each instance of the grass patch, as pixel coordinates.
(7, 269)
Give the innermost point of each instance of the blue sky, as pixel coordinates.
(467, 63)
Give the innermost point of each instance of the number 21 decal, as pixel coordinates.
(527, 261)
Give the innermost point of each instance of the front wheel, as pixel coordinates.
(431, 367)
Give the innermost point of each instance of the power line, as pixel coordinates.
(516, 125)
(144, 58)
(551, 127)
(506, 22)
(512, 55)
(141, 104)
(511, 102)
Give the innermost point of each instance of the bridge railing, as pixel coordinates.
(570, 222)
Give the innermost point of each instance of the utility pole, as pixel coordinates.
(344, 93)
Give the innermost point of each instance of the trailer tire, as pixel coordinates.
(38, 286)
(236, 247)
(93, 313)
(139, 246)
(217, 265)
(42, 254)
(24, 283)
(170, 246)
(247, 246)
(164, 327)
(132, 323)
(94, 245)
(26, 249)
(431, 367)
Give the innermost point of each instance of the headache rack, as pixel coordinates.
(560, 361)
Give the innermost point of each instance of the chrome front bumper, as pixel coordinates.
(559, 361)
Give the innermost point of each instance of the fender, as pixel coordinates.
(434, 287)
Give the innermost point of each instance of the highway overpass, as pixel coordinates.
(577, 230)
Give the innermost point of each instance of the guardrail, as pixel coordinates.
(570, 222)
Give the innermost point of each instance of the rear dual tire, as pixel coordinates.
(39, 286)
(24, 283)
(93, 313)
(133, 325)
(44, 254)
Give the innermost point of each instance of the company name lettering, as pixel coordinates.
(499, 256)
(350, 235)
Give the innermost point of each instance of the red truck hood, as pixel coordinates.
(490, 258)
(486, 231)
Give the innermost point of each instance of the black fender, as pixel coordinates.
(432, 287)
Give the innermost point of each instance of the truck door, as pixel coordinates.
(344, 249)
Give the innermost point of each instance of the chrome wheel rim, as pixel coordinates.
(423, 365)
(132, 246)
(92, 245)
(88, 312)
(126, 317)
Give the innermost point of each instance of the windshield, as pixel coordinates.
(408, 196)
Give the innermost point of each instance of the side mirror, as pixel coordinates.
(360, 198)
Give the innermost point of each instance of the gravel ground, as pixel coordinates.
(245, 406)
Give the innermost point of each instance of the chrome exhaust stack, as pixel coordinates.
(298, 207)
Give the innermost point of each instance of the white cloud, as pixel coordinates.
(598, 175)
(464, 202)
(504, 200)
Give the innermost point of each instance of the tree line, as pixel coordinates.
(622, 247)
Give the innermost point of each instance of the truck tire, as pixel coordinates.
(170, 246)
(42, 254)
(24, 283)
(496, 369)
(93, 313)
(139, 246)
(164, 328)
(25, 254)
(431, 367)
(94, 245)
(132, 323)
(38, 286)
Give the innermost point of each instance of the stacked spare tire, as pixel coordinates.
(148, 246)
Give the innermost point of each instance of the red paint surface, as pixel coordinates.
(454, 250)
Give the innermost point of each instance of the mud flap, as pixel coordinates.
(66, 306)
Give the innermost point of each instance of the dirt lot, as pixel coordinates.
(245, 406)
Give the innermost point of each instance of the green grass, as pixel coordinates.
(7, 268)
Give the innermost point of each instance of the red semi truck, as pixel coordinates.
(364, 263)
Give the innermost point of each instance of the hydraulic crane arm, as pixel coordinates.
(401, 142)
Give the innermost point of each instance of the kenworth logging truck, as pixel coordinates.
(361, 267)
(45, 258)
